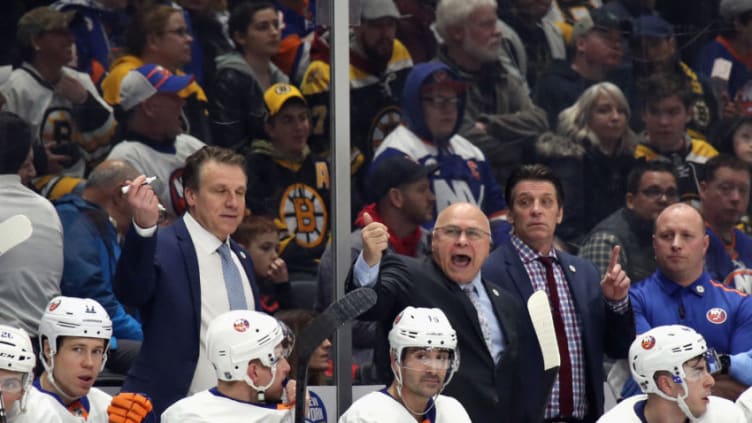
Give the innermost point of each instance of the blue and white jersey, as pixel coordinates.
(90, 409)
(720, 314)
(735, 269)
(211, 406)
(632, 410)
(381, 407)
(463, 175)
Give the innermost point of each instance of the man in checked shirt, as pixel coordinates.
(651, 187)
(592, 315)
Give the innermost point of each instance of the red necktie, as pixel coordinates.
(566, 399)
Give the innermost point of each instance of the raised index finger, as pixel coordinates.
(614, 257)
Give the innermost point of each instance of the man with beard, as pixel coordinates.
(379, 64)
(543, 40)
(423, 357)
(653, 47)
(500, 117)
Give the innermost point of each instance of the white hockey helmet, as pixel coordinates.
(17, 355)
(74, 317)
(663, 348)
(424, 328)
(236, 337)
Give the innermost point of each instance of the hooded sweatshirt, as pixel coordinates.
(464, 174)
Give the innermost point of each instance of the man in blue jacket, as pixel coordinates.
(92, 224)
(182, 276)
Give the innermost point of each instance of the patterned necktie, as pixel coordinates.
(233, 281)
(566, 397)
(485, 327)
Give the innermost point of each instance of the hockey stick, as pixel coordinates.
(347, 308)
(13, 231)
(540, 313)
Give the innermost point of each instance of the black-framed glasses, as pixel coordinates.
(441, 102)
(655, 193)
(455, 232)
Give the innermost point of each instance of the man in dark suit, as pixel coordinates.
(495, 335)
(591, 316)
(182, 276)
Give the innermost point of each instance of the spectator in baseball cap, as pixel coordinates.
(150, 112)
(288, 183)
(653, 49)
(403, 202)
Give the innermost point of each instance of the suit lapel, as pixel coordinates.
(516, 272)
(579, 294)
(190, 260)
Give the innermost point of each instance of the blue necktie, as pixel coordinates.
(233, 281)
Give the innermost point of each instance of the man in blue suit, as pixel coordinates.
(182, 276)
(591, 316)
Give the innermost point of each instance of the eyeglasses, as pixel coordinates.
(455, 232)
(441, 102)
(11, 385)
(655, 193)
(180, 32)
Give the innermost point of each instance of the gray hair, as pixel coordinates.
(450, 13)
(111, 173)
(573, 121)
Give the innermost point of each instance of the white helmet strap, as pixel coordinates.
(260, 390)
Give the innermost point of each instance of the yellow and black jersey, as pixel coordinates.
(374, 100)
(296, 194)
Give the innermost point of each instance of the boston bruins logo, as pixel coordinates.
(386, 120)
(305, 215)
(58, 126)
(701, 113)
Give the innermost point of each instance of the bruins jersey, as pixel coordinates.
(81, 131)
(374, 100)
(297, 196)
(689, 165)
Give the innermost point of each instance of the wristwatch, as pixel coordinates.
(725, 363)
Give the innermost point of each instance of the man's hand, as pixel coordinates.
(291, 394)
(615, 283)
(375, 240)
(130, 407)
(71, 89)
(277, 272)
(143, 203)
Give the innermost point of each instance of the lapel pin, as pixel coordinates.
(242, 254)
(700, 289)
(495, 292)
(572, 269)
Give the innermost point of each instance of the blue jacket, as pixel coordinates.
(91, 251)
(723, 268)
(722, 315)
(160, 276)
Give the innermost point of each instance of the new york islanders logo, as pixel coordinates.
(648, 342)
(55, 304)
(716, 315)
(241, 325)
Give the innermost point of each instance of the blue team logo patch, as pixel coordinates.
(316, 409)
(716, 315)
